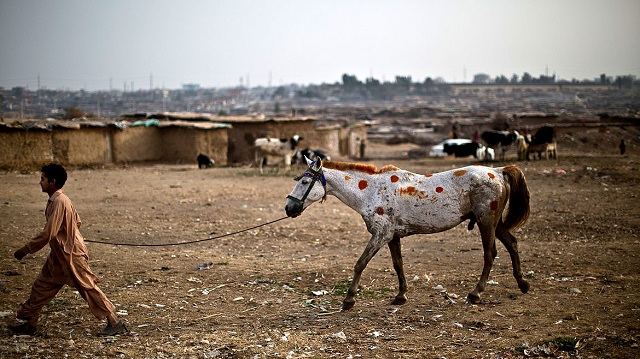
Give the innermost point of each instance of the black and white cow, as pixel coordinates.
(474, 149)
(313, 155)
(543, 141)
(276, 147)
(204, 161)
(500, 139)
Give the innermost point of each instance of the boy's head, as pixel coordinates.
(55, 174)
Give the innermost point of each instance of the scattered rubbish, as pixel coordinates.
(160, 305)
(440, 288)
(560, 171)
(500, 315)
(339, 335)
(6, 313)
(110, 340)
(204, 266)
(458, 325)
(212, 354)
(238, 299)
(576, 290)
(122, 312)
(492, 282)
(319, 292)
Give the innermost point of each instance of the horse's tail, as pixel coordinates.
(519, 207)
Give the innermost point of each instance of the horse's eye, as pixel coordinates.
(305, 181)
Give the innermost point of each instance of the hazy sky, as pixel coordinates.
(93, 45)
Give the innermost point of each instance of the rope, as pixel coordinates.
(189, 242)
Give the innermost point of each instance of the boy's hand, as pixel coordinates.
(20, 253)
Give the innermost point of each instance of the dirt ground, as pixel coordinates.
(276, 291)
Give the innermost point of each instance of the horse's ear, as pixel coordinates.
(318, 164)
(309, 162)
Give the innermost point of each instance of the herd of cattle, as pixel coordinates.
(542, 143)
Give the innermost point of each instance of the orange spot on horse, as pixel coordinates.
(428, 175)
(459, 173)
(395, 178)
(346, 178)
(380, 211)
(363, 184)
(439, 189)
(491, 175)
(412, 191)
(494, 205)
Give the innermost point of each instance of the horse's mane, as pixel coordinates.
(346, 166)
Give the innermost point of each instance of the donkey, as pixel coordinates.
(395, 203)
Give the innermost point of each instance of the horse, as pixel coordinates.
(395, 203)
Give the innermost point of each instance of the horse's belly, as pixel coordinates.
(429, 221)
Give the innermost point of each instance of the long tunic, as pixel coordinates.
(67, 263)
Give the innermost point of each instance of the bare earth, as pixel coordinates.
(276, 291)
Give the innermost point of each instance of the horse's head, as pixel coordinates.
(305, 192)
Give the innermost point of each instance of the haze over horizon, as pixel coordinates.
(93, 45)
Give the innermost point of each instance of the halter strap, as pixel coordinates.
(315, 176)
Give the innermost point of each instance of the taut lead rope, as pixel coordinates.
(183, 243)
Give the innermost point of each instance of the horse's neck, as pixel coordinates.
(341, 184)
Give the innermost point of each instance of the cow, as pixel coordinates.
(474, 149)
(204, 161)
(313, 155)
(277, 147)
(544, 140)
(522, 144)
(485, 153)
(500, 139)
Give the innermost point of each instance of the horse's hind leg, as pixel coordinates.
(489, 251)
(511, 243)
(396, 255)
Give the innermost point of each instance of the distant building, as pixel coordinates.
(191, 87)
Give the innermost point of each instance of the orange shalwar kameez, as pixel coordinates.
(67, 263)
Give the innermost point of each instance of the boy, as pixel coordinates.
(67, 263)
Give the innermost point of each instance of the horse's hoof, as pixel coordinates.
(348, 305)
(524, 286)
(473, 298)
(399, 301)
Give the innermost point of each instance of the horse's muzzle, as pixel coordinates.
(293, 210)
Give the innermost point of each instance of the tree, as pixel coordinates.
(502, 79)
(514, 79)
(350, 82)
(527, 78)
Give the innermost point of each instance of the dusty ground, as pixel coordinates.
(276, 291)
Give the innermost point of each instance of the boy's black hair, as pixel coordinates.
(54, 171)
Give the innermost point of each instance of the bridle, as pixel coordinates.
(315, 176)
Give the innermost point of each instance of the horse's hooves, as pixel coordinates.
(399, 301)
(348, 305)
(473, 298)
(524, 286)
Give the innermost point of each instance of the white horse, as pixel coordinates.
(395, 203)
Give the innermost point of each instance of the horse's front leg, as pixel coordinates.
(396, 256)
(375, 243)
